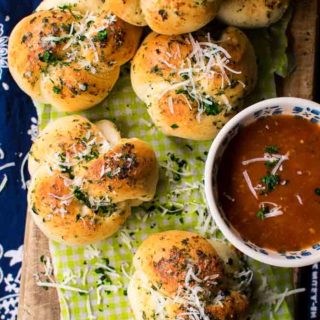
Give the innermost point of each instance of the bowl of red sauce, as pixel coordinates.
(262, 181)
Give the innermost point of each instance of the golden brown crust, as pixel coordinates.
(128, 10)
(178, 273)
(160, 74)
(69, 223)
(85, 179)
(68, 58)
(235, 306)
(81, 5)
(167, 17)
(165, 258)
(63, 136)
(125, 172)
(252, 13)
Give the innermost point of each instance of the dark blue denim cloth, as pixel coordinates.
(17, 125)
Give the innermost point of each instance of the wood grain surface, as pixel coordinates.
(40, 304)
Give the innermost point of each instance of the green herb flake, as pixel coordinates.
(56, 90)
(270, 181)
(271, 149)
(262, 212)
(271, 164)
(174, 126)
(102, 35)
(47, 57)
(317, 191)
(212, 109)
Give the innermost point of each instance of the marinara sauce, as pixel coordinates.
(269, 183)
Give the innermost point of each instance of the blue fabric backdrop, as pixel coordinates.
(17, 127)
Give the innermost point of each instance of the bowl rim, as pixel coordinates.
(211, 203)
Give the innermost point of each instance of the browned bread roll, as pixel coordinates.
(70, 57)
(181, 275)
(166, 17)
(85, 179)
(191, 84)
(252, 13)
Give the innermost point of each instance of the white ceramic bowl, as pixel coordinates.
(287, 106)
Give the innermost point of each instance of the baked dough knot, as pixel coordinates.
(70, 57)
(166, 17)
(86, 178)
(193, 84)
(180, 275)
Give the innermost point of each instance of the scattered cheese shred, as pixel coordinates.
(278, 165)
(299, 199)
(249, 183)
(60, 286)
(274, 212)
(207, 60)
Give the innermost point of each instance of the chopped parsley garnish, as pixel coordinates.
(102, 35)
(81, 37)
(94, 154)
(184, 76)
(65, 7)
(47, 57)
(271, 149)
(271, 164)
(270, 181)
(64, 168)
(179, 166)
(56, 90)
(174, 126)
(104, 210)
(66, 27)
(261, 213)
(317, 191)
(212, 109)
(104, 277)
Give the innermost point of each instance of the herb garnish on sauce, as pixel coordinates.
(261, 213)
(270, 181)
(271, 149)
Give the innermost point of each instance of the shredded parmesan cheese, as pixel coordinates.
(299, 199)
(249, 183)
(274, 212)
(281, 160)
(60, 286)
(207, 60)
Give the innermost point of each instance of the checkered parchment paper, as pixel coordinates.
(81, 264)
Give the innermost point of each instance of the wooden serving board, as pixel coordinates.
(37, 303)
